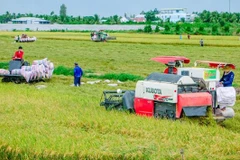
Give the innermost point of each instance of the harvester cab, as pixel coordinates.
(101, 36)
(172, 63)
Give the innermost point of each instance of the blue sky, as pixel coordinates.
(112, 7)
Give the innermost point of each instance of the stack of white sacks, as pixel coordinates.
(226, 98)
(4, 72)
(40, 69)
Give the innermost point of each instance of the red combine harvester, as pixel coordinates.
(177, 91)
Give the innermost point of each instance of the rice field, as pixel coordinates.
(65, 122)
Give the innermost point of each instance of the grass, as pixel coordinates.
(64, 122)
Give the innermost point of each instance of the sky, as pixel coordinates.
(112, 7)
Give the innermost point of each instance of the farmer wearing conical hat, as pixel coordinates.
(228, 76)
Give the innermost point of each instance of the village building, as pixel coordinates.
(125, 19)
(175, 15)
(139, 18)
(30, 20)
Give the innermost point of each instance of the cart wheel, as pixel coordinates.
(17, 81)
(5, 79)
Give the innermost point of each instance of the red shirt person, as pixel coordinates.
(18, 54)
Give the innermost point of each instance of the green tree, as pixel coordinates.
(226, 28)
(178, 29)
(63, 11)
(167, 27)
(215, 29)
(201, 28)
(188, 29)
(147, 28)
(96, 19)
(222, 22)
(157, 29)
(150, 16)
(116, 19)
(197, 20)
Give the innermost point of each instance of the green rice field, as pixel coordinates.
(65, 122)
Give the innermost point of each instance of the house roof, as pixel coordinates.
(139, 19)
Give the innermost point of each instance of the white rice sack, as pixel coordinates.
(45, 62)
(228, 112)
(26, 68)
(33, 76)
(33, 67)
(27, 75)
(46, 70)
(38, 62)
(23, 72)
(41, 68)
(50, 73)
(40, 75)
(4, 72)
(37, 69)
(51, 66)
(16, 72)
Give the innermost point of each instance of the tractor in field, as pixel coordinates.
(101, 36)
(13, 74)
(24, 38)
(176, 92)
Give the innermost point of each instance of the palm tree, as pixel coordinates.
(96, 19)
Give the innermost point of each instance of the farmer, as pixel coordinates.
(18, 54)
(77, 75)
(228, 76)
(201, 42)
(18, 38)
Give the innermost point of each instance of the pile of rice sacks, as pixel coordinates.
(4, 72)
(40, 69)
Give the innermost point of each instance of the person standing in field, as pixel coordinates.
(188, 36)
(77, 75)
(201, 42)
(180, 37)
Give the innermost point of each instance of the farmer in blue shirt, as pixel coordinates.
(227, 78)
(77, 75)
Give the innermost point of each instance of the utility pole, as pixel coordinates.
(229, 6)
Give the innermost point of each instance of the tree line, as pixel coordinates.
(206, 22)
